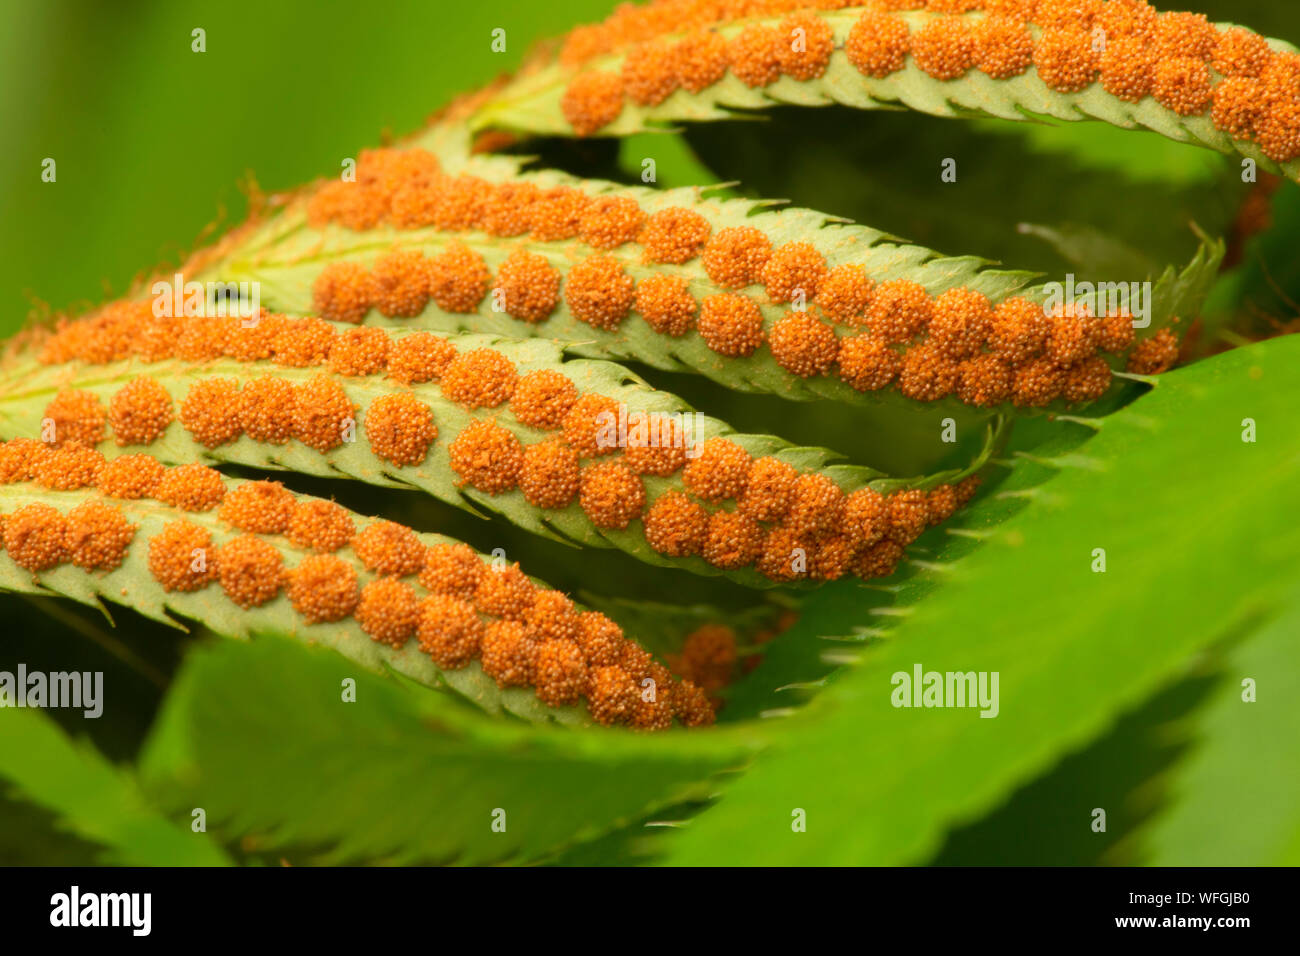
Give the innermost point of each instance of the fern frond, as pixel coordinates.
(544, 447)
(251, 558)
(1226, 89)
(789, 302)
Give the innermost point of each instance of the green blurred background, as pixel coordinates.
(152, 140)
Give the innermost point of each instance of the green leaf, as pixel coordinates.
(1243, 757)
(398, 776)
(1094, 252)
(91, 798)
(31, 836)
(1073, 648)
(1037, 825)
(846, 619)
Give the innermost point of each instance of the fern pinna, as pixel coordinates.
(457, 317)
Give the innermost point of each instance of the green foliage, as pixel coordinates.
(121, 204)
(1242, 757)
(1065, 647)
(1269, 18)
(1260, 295)
(1119, 771)
(401, 775)
(92, 799)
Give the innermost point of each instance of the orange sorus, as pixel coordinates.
(249, 570)
(400, 429)
(140, 412)
(35, 537)
(388, 610)
(263, 507)
(76, 416)
(452, 569)
(611, 494)
(130, 476)
(665, 302)
(550, 475)
(481, 378)
(419, 357)
(675, 525)
(191, 487)
(731, 325)
(323, 588)
(210, 412)
(543, 399)
(388, 548)
(719, 471)
(529, 286)
(449, 630)
(318, 525)
(734, 257)
(599, 292)
(181, 557)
